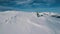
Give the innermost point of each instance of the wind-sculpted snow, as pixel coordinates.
(12, 22)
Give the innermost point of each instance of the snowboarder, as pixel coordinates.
(38, 14)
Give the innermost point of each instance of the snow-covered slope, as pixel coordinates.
(14, 22)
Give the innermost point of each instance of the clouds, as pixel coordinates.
(24, 2)
(30, 3)
(35, 2)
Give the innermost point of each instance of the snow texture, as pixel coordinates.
(15, 22)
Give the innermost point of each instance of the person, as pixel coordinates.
(38, 14)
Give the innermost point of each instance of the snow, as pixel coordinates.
(18, 22)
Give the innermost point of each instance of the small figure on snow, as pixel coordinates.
(38, 14)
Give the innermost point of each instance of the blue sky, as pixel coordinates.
(30, 5)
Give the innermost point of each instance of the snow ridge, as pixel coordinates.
(15, 22)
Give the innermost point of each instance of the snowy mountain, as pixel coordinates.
(18, 22)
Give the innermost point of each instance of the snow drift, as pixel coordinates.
(15, 22)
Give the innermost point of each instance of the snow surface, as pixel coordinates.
(15, 22)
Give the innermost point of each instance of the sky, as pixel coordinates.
(30, 5)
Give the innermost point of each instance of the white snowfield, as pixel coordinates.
(14, 22)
